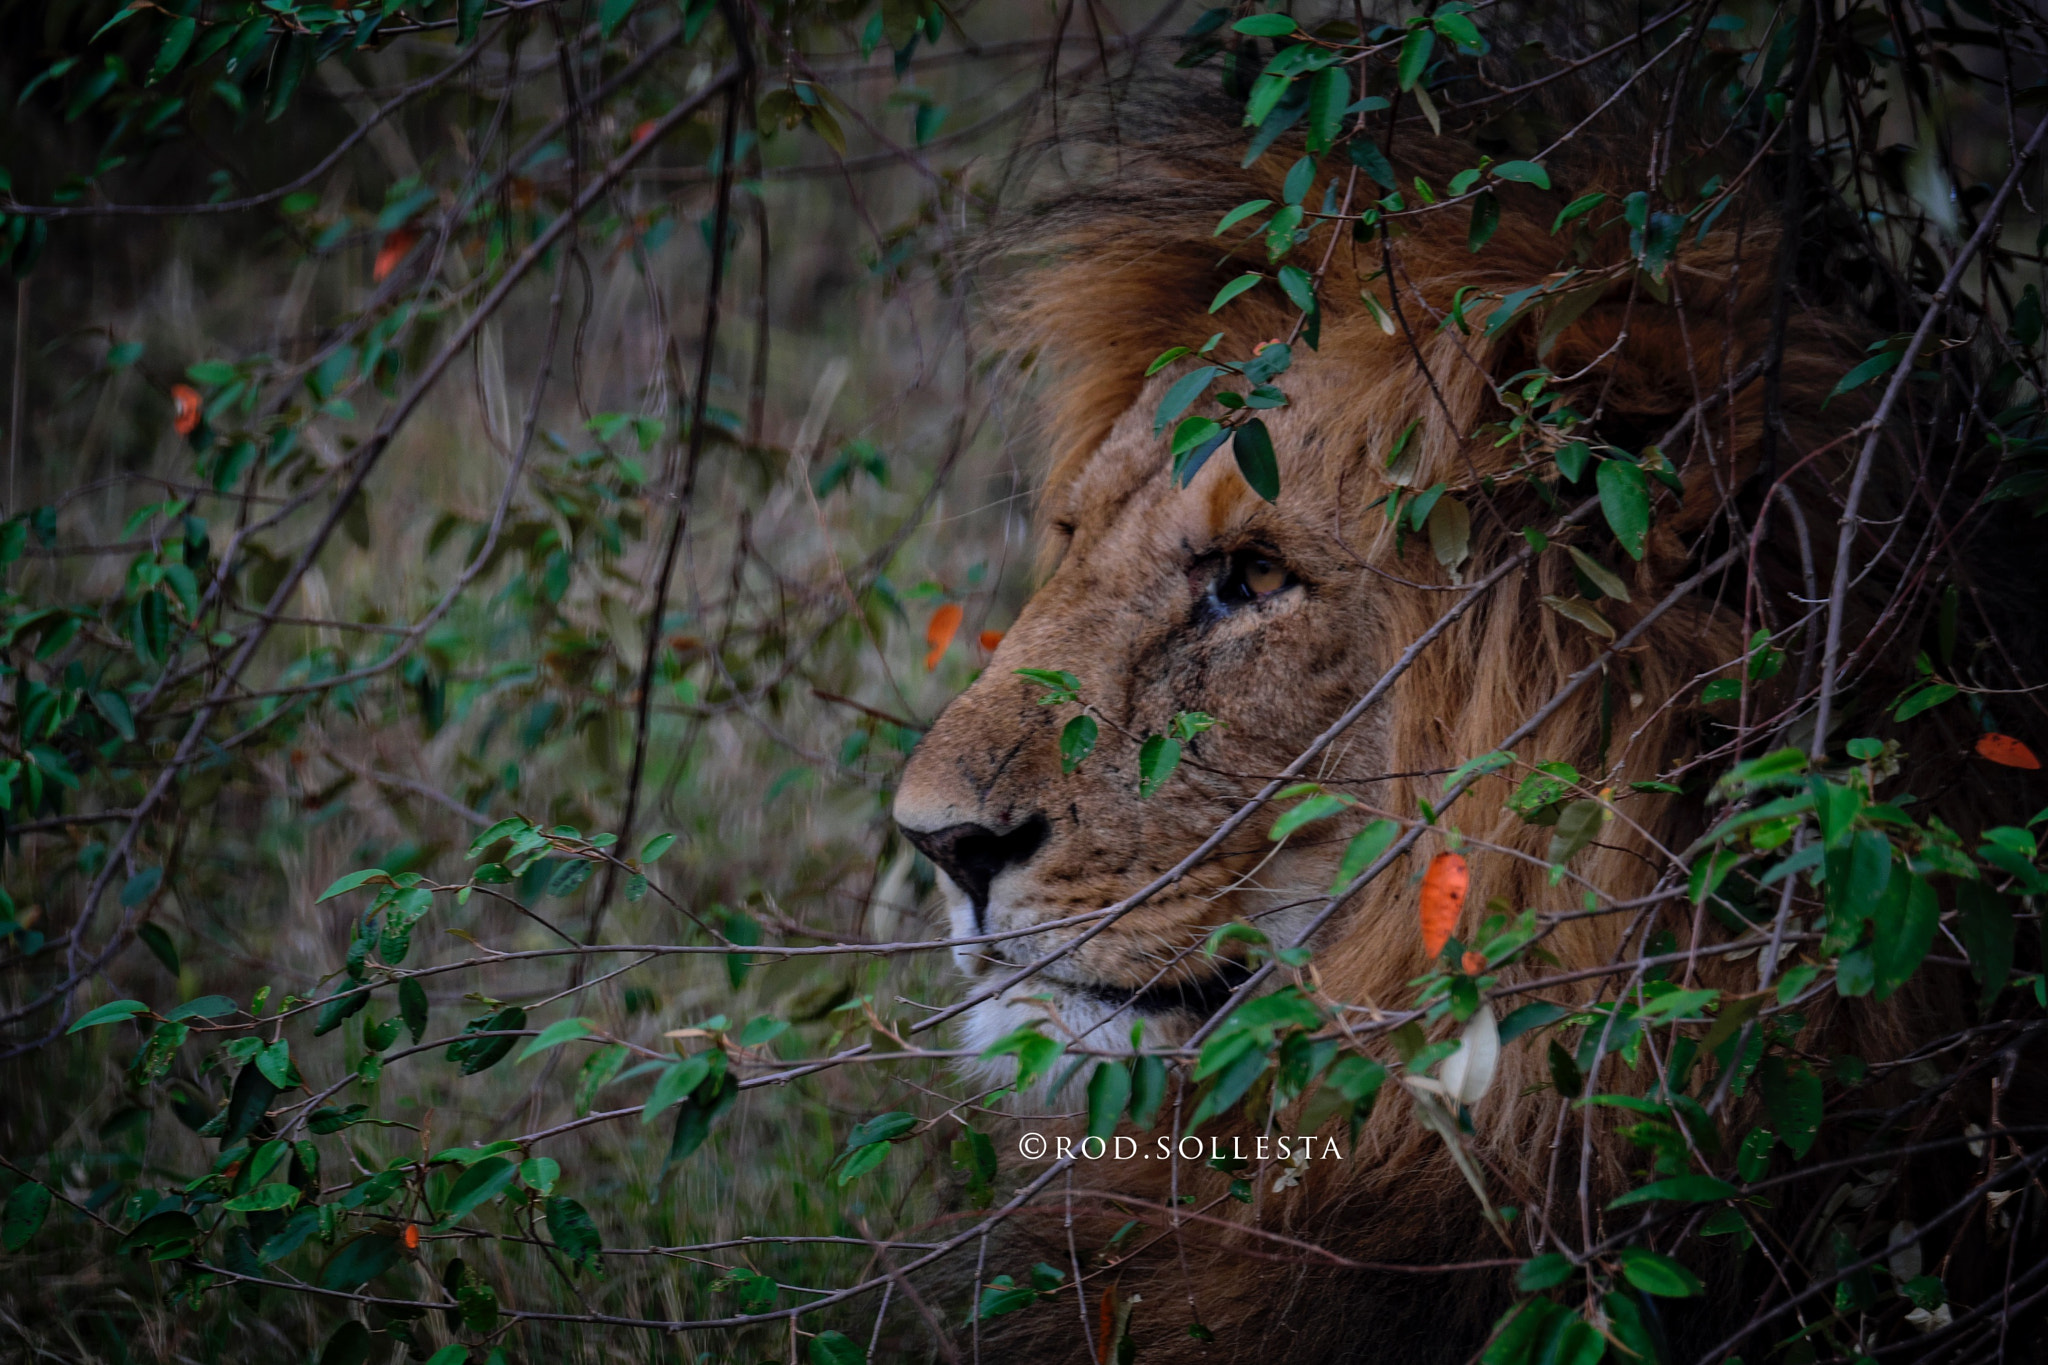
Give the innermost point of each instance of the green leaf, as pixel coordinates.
(555, 1034)
(1625, 501)
(1984, 922)
(1572, 609)
(1328, 92)
(1905, 932)
(205, 1007)
(412, 1007)
(1524, 172)
(570, 1227)
(1109, 1090)
(328, 1119)
(177, 40)
(504, 829)
(658, 845)
(1157, 758)
(1148, 1090)
(1077, 741)
(275, 1062)
(485, 1180)
(1033, 1050)
(1184, 391)
(1679, 1189)
(1192, 433)
(1299, 286)
(351, 882)
(1520, 1332)
(1319, 806)
(1454, 25)
(835, 1348)
(1230, 220)
(113, 708)
(611, 14)
(1369, 158)
(359, 1262)
(862, 1160)
(1598, 574)
(1485, 218)
(1229, 1085)
(881, 1128)
(1265, 26)
(1928, 697)
(1363, 851)
(1547, 1271)
(1171, 353)
(1792, 1096)
(1532, 1016)
(1225, 295)
(111, 1013)
(264, 1198)
(1579, 207)
(1002, 1295)
(1578, 1342)
(481, 1054)
(540, 1173)
(1253, 446)
(674, 1083)
(1659, 1275)
(1721, 689)
(141, 886)
(350, 1345)
(1415, 53)
(23, 1217)
(1881, 363)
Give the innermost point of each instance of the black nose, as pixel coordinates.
(973, 855)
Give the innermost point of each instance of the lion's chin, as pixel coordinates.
(1066, 1003)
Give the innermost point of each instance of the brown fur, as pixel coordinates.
(1121, 275)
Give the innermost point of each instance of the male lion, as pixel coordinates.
(1272, 618)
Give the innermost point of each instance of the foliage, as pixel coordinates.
(657, 654)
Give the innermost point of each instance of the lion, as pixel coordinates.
(1271, 617)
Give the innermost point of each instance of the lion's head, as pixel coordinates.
(1438, 580)
(1273, 617)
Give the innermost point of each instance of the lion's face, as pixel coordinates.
(1164, 600)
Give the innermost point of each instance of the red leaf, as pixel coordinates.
(2006, 751)
(645, 130)
(939, 633)
(412, 1236)
(1472, 964)
(990, 639)
(184, 409)
(396, 244)
(1443, 896)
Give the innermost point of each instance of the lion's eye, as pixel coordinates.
(1251, 575)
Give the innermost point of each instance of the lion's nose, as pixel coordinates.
(975, 855)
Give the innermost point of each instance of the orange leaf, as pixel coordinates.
(990, 639)
(939, 633)
(1472, 964)
(396, 244)
(184, 409)
(412, 1236)
(2007, 751)
(1443, 896)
